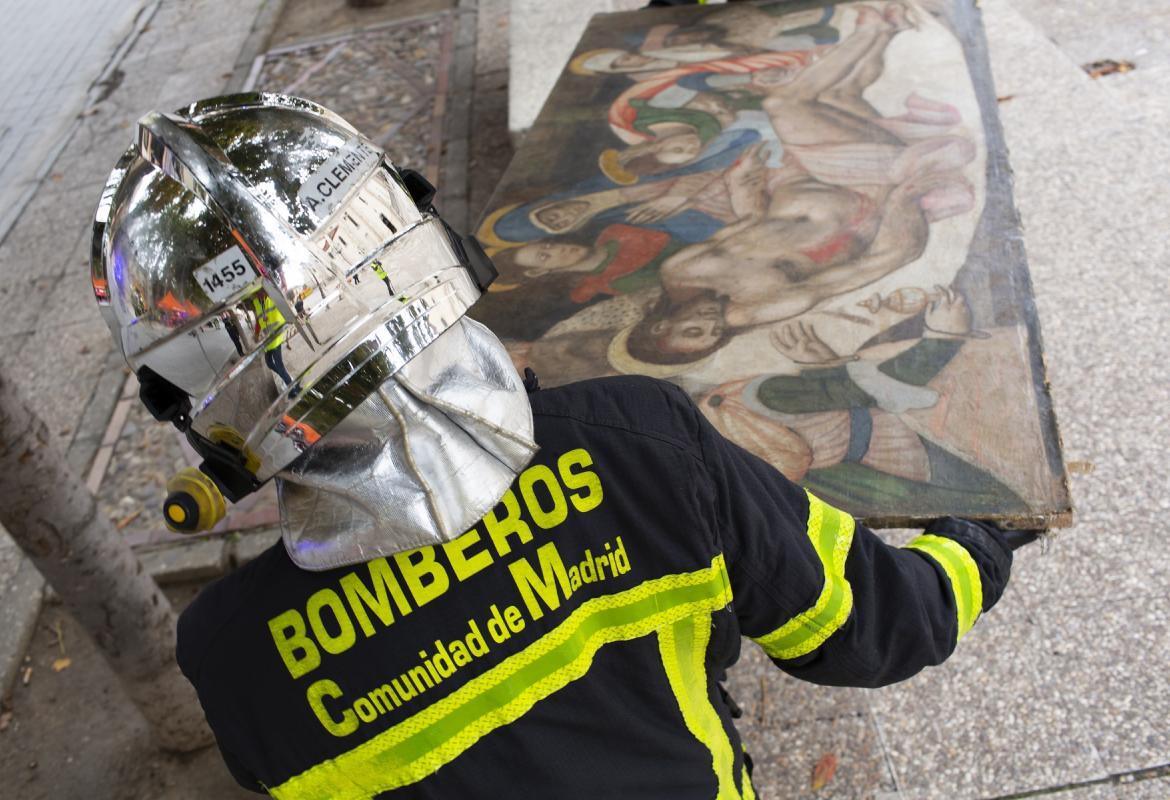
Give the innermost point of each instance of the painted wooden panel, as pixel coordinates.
(801, 213)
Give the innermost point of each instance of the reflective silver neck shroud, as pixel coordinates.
(287, 302)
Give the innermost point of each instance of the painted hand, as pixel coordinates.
(657, 209)
(799, 341)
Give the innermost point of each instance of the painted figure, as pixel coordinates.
(771, 196)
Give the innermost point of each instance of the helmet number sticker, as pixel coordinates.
(225, 275)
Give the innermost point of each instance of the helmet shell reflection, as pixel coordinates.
(264, 259)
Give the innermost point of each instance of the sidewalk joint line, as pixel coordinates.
(1113, 779)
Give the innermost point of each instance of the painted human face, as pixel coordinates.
(679, 149)
(561, 216)
(550, 255)
(693, 328)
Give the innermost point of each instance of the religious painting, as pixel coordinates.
(801, 214)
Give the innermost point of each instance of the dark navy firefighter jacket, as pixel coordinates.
(570, 644)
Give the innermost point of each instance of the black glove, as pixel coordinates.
(1017, 539)
(988, 544)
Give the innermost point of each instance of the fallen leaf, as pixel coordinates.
(1004, 98)
(126, 520)
(5, 720)
(26, 676)
(60, 634)
(61, 663)
(823, 772)
(1107, 66)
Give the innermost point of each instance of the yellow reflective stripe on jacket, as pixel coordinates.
(683, 646)
(962, 572)
(421, 744)
(269, 317)
(378, 270)
(749, 793)
(831, 534)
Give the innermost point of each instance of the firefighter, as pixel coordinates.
(269, 325)
(483, 588)
(380, 271)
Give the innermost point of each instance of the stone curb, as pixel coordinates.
(20, 605)
(254, 45)
(205, 558)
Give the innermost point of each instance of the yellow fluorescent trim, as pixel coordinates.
(831, 534)
(421, 744)
(961, 571)
(683, 646)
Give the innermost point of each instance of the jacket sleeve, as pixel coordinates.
(827, 599)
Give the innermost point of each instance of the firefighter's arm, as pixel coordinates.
(827, 599)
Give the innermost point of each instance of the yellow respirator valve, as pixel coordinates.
(194, 503)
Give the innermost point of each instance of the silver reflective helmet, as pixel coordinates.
(294, 304)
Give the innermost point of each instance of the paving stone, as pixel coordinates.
(1105, 791)
(1023, 60)
(193, 560)
(1088, 31)
(60, 372)
(785, 756)
(1108, 660)
(994, 719)
(399, 110)
(1156, 789)
(84, 169)
(304, 20)
(25, 301)
(70, 300)
(542, 37)
(246, 546)
(42, 242)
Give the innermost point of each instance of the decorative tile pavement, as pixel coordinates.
(388, 81)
